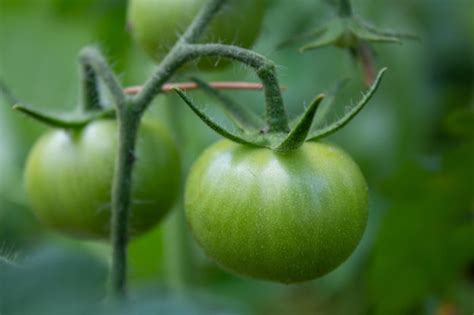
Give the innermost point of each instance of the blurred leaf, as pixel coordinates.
(146, 256)
(426, 239)
(52, 281)
(461, 122)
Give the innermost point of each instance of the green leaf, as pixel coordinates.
(239, 138)
(339, 124)
(242, 118)
(297, 136)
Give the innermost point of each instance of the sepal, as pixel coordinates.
(351, 114)
(66, 121)
(297, 137)
(244, 119)
(236, 137)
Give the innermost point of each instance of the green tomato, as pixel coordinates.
(157, 24)
(69, 178)
(280, 217)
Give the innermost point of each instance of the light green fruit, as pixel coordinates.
(69, 178)
(157, 24)
(285, 218)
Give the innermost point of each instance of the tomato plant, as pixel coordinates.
(156, 24)
(268, 202)
(281, 217)
(69, 178)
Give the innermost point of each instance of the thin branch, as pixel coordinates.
(90, 97)
(93, 58)
(276, 116)
(129, 113)
(128, 125)
(201, 21)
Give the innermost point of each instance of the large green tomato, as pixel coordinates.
(69, 177)
(157, 24)
(280, 217)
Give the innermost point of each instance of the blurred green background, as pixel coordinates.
(414, 143)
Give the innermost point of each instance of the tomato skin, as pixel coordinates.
(157, 24)
(285, 218)
(69, 177)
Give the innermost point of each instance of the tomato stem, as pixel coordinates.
(89, 89)
(128, 123)
(182, 53)
(92, 58)
(186, 49)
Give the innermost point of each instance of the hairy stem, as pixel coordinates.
(90, 99)
(92, 58)
(200, 23)
(277, 119)
(129, 113)
(275, 111)
(128, 124)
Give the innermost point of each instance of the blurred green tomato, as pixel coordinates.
(69, 178)
(280, 217)
(157, 24)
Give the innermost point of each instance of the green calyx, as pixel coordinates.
(251, 129)
(347, 31)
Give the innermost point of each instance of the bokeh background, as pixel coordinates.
(414, 143)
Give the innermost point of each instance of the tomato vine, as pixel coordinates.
(274, 131)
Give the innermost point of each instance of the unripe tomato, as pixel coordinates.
(157, 24)
(280, 217)
(69, 177)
